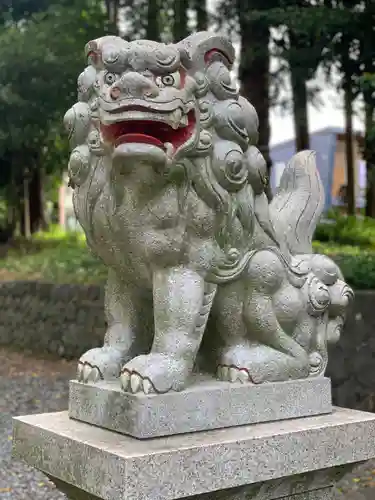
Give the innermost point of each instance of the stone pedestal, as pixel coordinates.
(295, 459)
(206, 404)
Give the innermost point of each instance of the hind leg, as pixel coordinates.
(276, 356)
(228, 335)
(129, 317)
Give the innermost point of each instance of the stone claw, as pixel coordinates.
(154, 372)
(80, 371)
(134, 383)
(102, 363)
(87, 373)
(233, 374)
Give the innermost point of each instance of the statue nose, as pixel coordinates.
(134, 85)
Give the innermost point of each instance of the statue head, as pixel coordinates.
(152, 102)
(336, 295)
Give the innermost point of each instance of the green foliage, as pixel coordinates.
(342, 230)
(15, 10)
(63, 257)
(357, 265)
(40, 61)
(350, 242)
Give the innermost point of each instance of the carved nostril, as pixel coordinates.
(115, 93)
(151, 92)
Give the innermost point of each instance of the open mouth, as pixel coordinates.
(148, 131)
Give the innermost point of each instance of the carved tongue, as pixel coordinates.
(142, 138)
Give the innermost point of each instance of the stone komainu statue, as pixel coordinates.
(203, 272)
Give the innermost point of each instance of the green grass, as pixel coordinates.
(55, 257)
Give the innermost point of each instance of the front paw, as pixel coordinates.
(101, 363)
(155, 373)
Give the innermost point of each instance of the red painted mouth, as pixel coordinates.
(148, 132)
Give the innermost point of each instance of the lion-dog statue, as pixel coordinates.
(204, 272)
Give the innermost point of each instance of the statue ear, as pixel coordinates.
(214, 55)
(105, 50)
(201, 49)
(92, 53)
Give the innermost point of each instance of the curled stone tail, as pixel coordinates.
(298, 204)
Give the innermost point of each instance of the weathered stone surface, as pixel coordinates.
(262, 491)
(112, 466)
(206, 404)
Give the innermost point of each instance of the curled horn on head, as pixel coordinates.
(203, 48)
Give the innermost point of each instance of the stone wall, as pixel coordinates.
(352, 361)
(67, 320)
(57, 319)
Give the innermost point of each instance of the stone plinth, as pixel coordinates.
(297, 459)
(206, 404)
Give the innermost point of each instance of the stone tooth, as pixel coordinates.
(169, 149)
(184, 121)
(176, 118)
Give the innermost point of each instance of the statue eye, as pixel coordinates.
(165, 81)
(110, 78)
(168, 80)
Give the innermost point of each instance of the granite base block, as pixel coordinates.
(253, 492)
(297, 458)
(206, 404)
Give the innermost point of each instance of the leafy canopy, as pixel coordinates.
(41, 58)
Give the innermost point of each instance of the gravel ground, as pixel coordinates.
(28, 385)
(31, 385)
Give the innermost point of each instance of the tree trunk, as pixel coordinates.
(369, 156)
(112, 8)
(350, 169)
(254, 75)
(300, 116)
(37, 214)
(298, 79)
(26, 208)
(200, 7)
(180, 22)
(369, 148)
(153, 28)
(12, 200)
